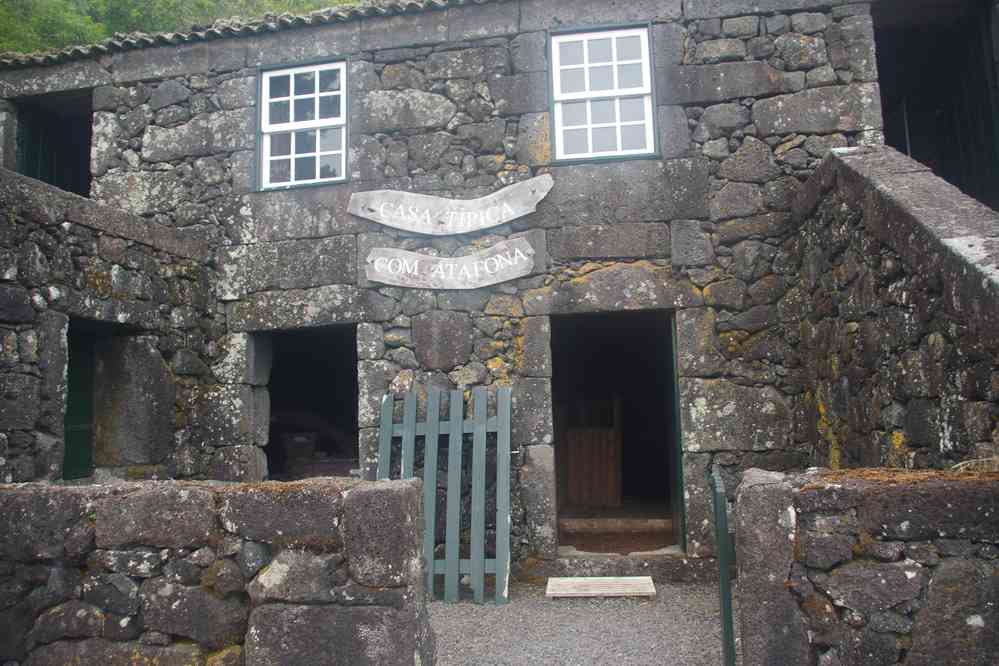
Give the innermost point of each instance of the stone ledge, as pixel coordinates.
(58, 205)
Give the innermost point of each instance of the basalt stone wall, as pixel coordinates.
(454, 102)
(871, 567)
(893, 315)
(191, 573)
(65, 257)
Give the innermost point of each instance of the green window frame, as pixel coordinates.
(303, 125)
(603, 102)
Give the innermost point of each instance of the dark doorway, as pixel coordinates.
(83, 349)
(53, 139)
(936, 64)
(313, 391)
(613, 389)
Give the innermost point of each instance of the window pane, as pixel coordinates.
(601, 78)
(602, 111)
(570, 53)
(305, 83)
(329, 80)
(632, 108)
(600, 50)
(633, 137)
(329, 166)
(305, 142)
(305, 109)
(629, 48)
(305, 168)
(575, 141)
(604, 139)
(573, 81)
(279, 86)
(281, 144)
(329, 139)
(629, 76)
(280, 171)
(329, 106)
(574, 114)
(279, 112)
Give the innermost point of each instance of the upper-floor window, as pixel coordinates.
(602, 84)
(303, 121)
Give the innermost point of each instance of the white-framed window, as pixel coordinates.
(602, 85)
(303, 123)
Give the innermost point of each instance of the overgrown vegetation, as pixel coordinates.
(36, 25)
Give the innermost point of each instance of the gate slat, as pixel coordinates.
(430, 481)
(503, 495)
(408, 435)
(478, 548)
(385, 437)
(453, 496)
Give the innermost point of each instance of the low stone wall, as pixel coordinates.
(891, 315)
(869, 567)
(171, 573)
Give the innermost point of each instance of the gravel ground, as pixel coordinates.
(681, 627)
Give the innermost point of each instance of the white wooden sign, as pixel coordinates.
(503, 261)
(437, 216)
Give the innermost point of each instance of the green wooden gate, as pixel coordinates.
(433, 431)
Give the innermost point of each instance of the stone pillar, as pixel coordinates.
(538, 492)
(8, 135)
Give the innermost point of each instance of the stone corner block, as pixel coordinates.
(383, 530)
(162, 515)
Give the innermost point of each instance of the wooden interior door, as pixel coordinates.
(594, 454)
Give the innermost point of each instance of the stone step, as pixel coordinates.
(668, 565)
(605, 525)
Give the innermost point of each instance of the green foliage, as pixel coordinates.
(34, 25)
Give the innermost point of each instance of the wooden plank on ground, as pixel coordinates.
(601, 586)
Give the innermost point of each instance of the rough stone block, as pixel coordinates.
(365, 636)
(193, 612)
(465, 63)
(706, 9)
(162, 515)
(531, 422)
(718, 415)
(133, 403)
(100, 651)
(232, 130)
(295, 576)
(383, 532)
(296, 308)
(73, 619)
(19, 404)
(537, 487)
(529, 52)
(610, 241)
(752, 163)
(516, 94)
(243, 463)
(76, 75)
(714, 51)
(850, 108)
(674, 133)
(705, 84)
(442, 339)
(39, 522)
(690, 245)
(301, 264)
(667, 44)
(480, 22)
(410, 29)
(545, 14)
(245, 358)
(315, 212)
(139, 192)
(325, 42)
(636, 286)
(868, 587)
(696, 343)
(305, 513)
(224, 414)
(772, 628)
(114, 593)
(533, 139)
(957, 624)
(536, 357)
(632, 191)
(385, 110)
(15, 305)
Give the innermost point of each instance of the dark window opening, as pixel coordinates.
(84, 348)
(313, 392)
(613, 390)
(936, 64)
(53, 139)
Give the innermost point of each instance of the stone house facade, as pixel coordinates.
(218, 252)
